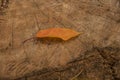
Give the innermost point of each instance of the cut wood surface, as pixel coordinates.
(94, 55)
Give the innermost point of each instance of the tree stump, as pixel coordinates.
(94, 55)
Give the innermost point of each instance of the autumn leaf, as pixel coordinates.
(62, 33)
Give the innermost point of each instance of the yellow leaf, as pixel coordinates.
(62, 33)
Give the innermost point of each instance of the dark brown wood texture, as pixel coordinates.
(95, 53)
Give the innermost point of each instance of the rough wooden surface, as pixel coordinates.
(94, 55)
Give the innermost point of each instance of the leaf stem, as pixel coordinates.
(28, 39)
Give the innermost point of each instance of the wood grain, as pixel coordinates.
(98, 20)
